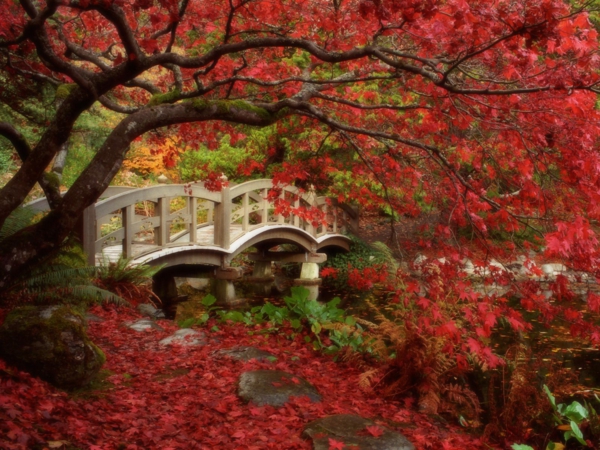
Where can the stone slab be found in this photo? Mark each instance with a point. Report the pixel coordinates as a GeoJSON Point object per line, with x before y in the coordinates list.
{"type": "Point", "coordinates": [352, 431]}
{"type": "Point", "coordinates": [143, 325]}
{"type": "Point", "coordinates": [185, 336]}
{"type": "Point", "coordinates": [274, 387]}
{"type": "Point", "coordinates": [246, 353]}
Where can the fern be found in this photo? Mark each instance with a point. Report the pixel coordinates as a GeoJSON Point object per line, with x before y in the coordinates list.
{"type": "Point", "coordinates": [61, 284]}
{"type": "Point", "coordinates": [457, 397]}
{"type": "Point", "coordinates": [384, 255]}
{"type": "Point", "coordinates": [368, 379]}
{"type": "Point", "coordinates": [122, 271]}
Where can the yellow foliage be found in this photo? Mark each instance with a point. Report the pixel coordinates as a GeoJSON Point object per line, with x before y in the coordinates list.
{"type": "Point", "coordinates": [142, 162]}
{"type": "Point", "coordinates": [146, 160]}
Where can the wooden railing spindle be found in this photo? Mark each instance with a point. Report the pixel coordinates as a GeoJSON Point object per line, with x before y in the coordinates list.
{"type": "Point", "coordinates": [193, 225]}
{"type": "Point", "coordinates": [128, 216]}
{"type": "Point", "coordinates": [246, 208]}
{"type": "Point", "coordinates": [161, 233]}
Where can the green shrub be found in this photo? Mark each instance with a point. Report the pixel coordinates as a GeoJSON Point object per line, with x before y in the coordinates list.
{"type": "Point", "coordinates": [337, 269]}
{"type": "Point", "coordinates": [197, 164]}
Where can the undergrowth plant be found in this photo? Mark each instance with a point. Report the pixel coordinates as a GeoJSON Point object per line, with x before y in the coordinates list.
{"type": "Point", "coordinates": [361, 268]}
{"type": "Point", "coordinates": [129, 281]}
{"type": "Point", "coordinates": [576, 422]}
{"type": "Point", "coordinates": [66, 277]}
{"type": "Point", "coordinates": [325, 326]}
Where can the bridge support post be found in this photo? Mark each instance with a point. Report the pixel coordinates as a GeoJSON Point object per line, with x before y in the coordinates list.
{"type": "Point", "coordinates": [223, 288]}
{"type": "Point", "coordinates": [309, 279]}
{"type": "Point", "coordinates": [261, 281]}
{"type": "Point", "coordinates": [309, 275]}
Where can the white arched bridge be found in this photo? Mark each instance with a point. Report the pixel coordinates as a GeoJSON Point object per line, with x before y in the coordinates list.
{"type": "Point", "coordinates": [176, 225]}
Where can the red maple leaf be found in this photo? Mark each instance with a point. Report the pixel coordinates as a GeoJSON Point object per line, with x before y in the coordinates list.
{"type": "Point", "coordinates": [374, 430]}
{"type": "Point", "coordinates": [335, 445]}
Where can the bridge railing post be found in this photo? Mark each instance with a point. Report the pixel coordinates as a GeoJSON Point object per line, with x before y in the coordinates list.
{"type": "Point", "coordinates": [280, 218]}
{"type": "Point", "coordinates": [312, 201]}
{"type": "Point", "coordinates": [296, 220]}
{"type": "Point", "coordinates": [223, 217]}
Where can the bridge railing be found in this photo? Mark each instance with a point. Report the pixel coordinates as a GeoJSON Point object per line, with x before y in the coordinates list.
{"type": "Point", "coordinates": [159, 216]}
{"type": "Point", "coordinates": [252, 208]}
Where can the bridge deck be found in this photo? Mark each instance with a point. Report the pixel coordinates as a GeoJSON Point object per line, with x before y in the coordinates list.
{"type": "Point", "coordinates": [204, 237]}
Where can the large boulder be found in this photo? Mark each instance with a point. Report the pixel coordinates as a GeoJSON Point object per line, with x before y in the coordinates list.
{"type": "Point", "coordinates": [50, 342]}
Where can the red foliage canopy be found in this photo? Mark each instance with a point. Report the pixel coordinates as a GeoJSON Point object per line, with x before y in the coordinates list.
{"type": "Point", "coordinates": [482, 111]}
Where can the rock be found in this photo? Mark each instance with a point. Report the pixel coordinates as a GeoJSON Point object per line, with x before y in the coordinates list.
{"type": "Point", "coordinates": [89, 317]}
{"type": "Point", "coordinates": [497, 265]}
{"type": "Point", "coordinates": [50, 342]}
{"type": "Point", "coordinates": [246, 353]}
{"type": "Point", "coordinates": [553, 269]}
{"type": "Point", "coordinates": [200, 284]}
{"type": "Point", "coordinates": [274, 387]}
{"type": "Point", "coordinates": [185, 336]}
{"type": "Point", "coordinates": [352, 431]}
{"type": "Point", "coordinates": [143, 324]}
{"type": "Point", "coordinates": [149, 310]}
{"type": "Point", "coordinates": [467, 266]}
{"type": "Point", "coordinates": [419, 260]}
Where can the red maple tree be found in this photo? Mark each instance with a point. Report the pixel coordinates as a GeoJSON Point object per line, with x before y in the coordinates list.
{"type": "Point", "coordinates": [483, 111]}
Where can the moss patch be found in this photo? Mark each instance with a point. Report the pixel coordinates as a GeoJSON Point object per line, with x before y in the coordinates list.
{"type": "Point", "coordinates": [64, 90]}
{"type": "Point", "coordinates": [51, 342]}
{"type": "Point", "coordinates": [226, 106]}
{"type": "Point", "coordinates": [98, 386]}
{"type": "Point", "coordinates": [169, 97]}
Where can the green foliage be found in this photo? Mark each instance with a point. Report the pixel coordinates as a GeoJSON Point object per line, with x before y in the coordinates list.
{"type": "Point", "coordinates": [123, 271]}
{"type": "Point", "coordinates": [6, 162]}
{"type": "Point", "coordinates": [573, 415]}
{"type": "Point", "coordinates": [90, 130]}
{"type": "Point", "coordinates": [127, 280]}
{"type": "Point", "coordinates": [56, 283]}
{"type": "Point", "coordinates": [78, 158]}
{"type": "Point", "coordinates": [300, 313]}
{"type": "Point", "coordinates": [198, 164]}
{"type": "Point", "coordinates": [208, 301]}
{"type": "Point", "coordinates": [316, 317]}
{"type": "Point", "coordinates": [312, 311]}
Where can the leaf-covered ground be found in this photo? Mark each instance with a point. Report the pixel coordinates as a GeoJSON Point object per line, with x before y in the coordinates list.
{"type": "Point", "coordinates": [178, 397]}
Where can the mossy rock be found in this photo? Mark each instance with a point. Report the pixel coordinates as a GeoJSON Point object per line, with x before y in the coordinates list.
{"type": "Point", "coordinates": [50, 342]}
